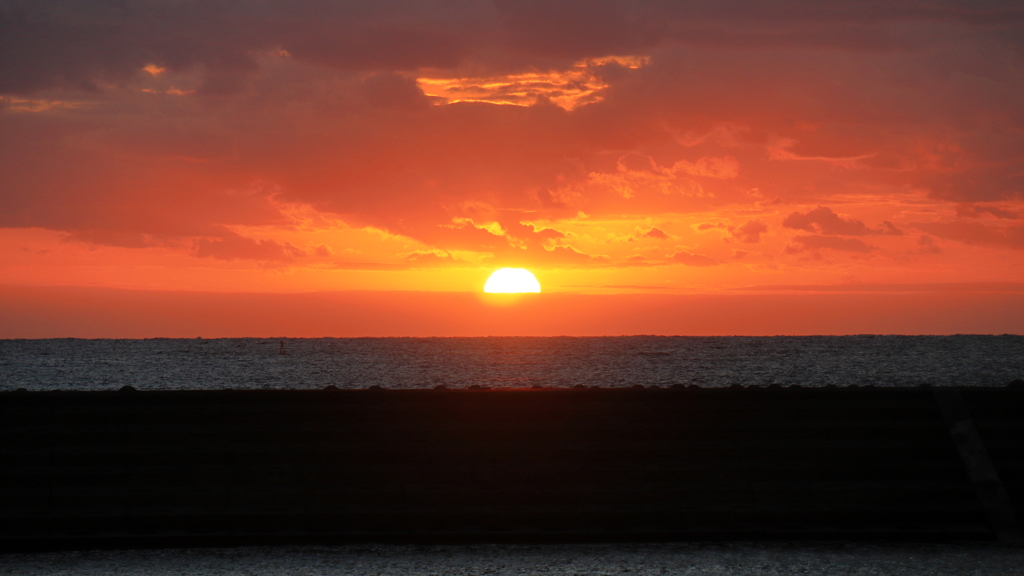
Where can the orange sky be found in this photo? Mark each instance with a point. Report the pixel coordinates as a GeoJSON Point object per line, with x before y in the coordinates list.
{"type": "Point", "coordinates": [636, 151]}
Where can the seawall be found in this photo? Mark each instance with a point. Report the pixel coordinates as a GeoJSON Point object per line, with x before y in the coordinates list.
{"type": "Point", "coordinates": [118, 469]}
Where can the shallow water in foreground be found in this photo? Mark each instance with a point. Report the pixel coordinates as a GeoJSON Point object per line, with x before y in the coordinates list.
{"type": "Point", "coordinates": [168, 364]}
{"type": "Point", "coordinates": [698, 559]}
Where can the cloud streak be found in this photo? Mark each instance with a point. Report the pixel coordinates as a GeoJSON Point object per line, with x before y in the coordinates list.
{"type": "Point", "coordinates": [558, 135]}
{"type": "Point", "coordinates": [822, 220]}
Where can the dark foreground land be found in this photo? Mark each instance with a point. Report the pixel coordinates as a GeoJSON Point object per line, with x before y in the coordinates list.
{"type": "Point", "coordinates": [130, 469]}
{"type": "Point", "coordinates": [721, 558]}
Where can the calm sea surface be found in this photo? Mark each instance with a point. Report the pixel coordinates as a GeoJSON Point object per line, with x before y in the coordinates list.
{"type": "Point", "coordinates": [166, 364]}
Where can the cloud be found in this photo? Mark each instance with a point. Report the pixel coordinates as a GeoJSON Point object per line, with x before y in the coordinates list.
{"type": "Point", "coordinates": [638, 261]}
{"type": "Point", "coordinates": [52, 43]}
{"type": "Point", "coordinates": [888, 228]}
{"type": "Point", "coordinates": [975, 211]}
{"type": "Point", "coordinates": [656, 233]}
{"type": "Point", "coordinates": [688, 259]}
{"type": "Point", "coordinates": [750, 232]}
{"type": "Point", "coordinates": [976, 234]}
{"type": "Point", "coordinates": [822, 220]}
{"type": "Point", "coordinates": [806, 243]}
{"type": "Point", "coordinates": [526, 231]}
{"type": "Point", "coordinates": [537, 256]}
{"type": "Point", "coordinates": [375, 266]}
{"type": "Point", "coordinates": [961, 287]}
{"type": "Point", "coordinates": [390, 90]}
{"type": "Point", "coordinates": [927, 245]}
{"type": "Point", "coordinates": [623, 286]}
{"type": "Point", "coordinates": [236, 247]}
{"type": "Point", "coordinates": [262, 109]}
{"type": "Point", "coordinates": [710, 167]}
{"type": "Point", "coordinates": [432, 260]}
{"type": "Point", "coordinates": [119, 238]}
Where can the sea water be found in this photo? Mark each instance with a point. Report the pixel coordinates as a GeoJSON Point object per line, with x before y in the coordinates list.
{"type": "Point", "coordinates": [296, 363]}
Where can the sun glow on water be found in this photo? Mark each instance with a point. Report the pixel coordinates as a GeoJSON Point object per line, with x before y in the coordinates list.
{"type": "Point", "coordinates": [511, 280]}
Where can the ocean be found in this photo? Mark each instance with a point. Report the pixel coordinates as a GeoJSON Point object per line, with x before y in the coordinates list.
{"type": "Point", "coordinates": [512, 362]}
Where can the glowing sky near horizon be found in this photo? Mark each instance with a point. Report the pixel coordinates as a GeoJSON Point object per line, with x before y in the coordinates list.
{"type": "Point", "coordinates": [608, 146]}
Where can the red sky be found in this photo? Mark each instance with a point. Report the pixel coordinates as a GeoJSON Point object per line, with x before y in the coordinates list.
{"type": "Point", "coordinates": [660, 166]}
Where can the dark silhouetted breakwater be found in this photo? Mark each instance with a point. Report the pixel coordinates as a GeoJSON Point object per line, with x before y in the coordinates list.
{"type": "Point", "coordinates": [225, 467]}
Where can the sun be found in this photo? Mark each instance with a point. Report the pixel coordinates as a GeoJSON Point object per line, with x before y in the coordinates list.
{"type": "Point", "coordinates": [511, 280]}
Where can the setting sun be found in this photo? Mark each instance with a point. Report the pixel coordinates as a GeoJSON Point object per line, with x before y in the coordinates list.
{"type": "Point", "coordinates": [410, 151]}
{"type": "Point", "coordinates": [511, 280]}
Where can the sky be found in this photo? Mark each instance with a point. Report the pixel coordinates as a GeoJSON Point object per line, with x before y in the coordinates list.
{"type": "Point", "coordinates": [646, 160]}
